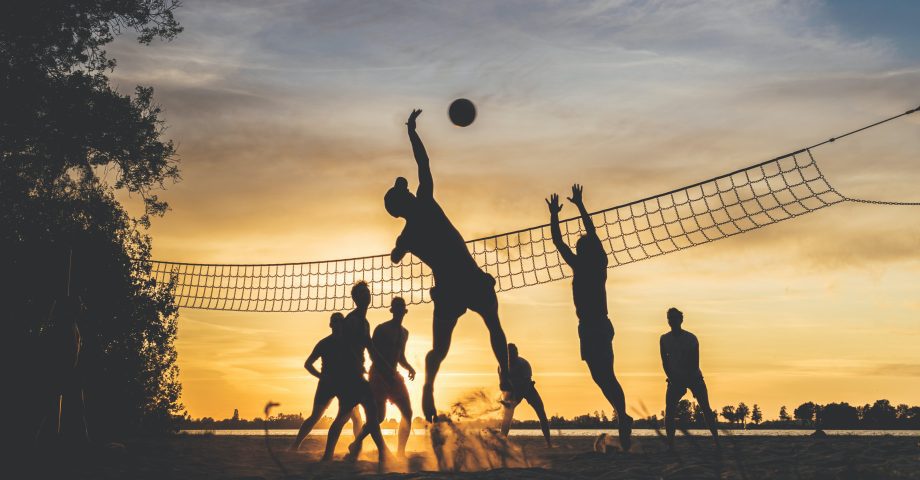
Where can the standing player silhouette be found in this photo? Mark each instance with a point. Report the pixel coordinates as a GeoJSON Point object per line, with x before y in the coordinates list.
{"type": "Point", "coordinates": [680, 357]}
{"type": "Point", "coordinates": [389, 341]}
{"type": "Point", "coordinates": [595, 332]}
{"type": "Point", "coordinates": [335, 359]}
{"type": "Point", "coordinates": [459, 282]}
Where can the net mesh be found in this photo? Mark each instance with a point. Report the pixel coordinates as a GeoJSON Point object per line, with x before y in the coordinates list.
{"type": "Point", "coordinates": [717, 208]}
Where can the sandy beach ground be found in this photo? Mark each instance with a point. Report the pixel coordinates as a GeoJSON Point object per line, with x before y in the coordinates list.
{"type": "Point", "coordinates": [232, 457]}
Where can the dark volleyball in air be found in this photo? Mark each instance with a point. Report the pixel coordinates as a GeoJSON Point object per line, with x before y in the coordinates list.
{"type": "Point", "coordinates": [462, 112]}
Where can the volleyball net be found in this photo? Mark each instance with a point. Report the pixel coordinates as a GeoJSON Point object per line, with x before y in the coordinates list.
{"type": "Point", "coordinates": [746, 199]}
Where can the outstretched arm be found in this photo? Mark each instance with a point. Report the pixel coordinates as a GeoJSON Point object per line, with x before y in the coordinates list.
{"type": "Point", "coordinates": [425, 180]}
{"type": "Point", "coordinates": [585, 217]}
{"type": "Point", "coordinates": [554, 209]}
{"type": "Point", "coordinates": [314, 355]}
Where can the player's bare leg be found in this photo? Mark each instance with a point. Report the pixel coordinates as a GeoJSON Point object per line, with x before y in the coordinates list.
{"type": "Point", "coordinates": [321, 402]}
{"type": "Point", "coordinates": [701, 394]}
{"type": "Point", "coordinates": [499, 343]}
{"type": "Point", "coordinates": [442, 330]}
{"type": "Point", "coordinates": [405, 426]}
{"type": "Point", "coordinates": [535, 401]}
{"type": "Point", "coordinates": [356, 423]}
{"type": "Point", "coordinates": [335, 430]}
{"type": "Point", "coordinates": [508, 406]}
{"type": "Point", "coordinates": [671, 398]}
{"type": "Point", "coordinates": [603, 376]}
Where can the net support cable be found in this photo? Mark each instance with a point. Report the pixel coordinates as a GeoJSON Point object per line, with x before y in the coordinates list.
{"type": "Point", "coordinates": [769, 192]}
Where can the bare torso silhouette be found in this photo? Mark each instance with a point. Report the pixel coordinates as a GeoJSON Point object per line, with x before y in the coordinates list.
{"type": "Point", "coordinates": [589, 279]}
{"type": "Point", "coordinates": [390, 342]}
{"type": "Point", "coordinates": [335, 359]}
{"type": "Point", "coordinates": [356, 332]}
{"type": "Point", "coordinates": [430, 236]}
{"type": "Point", "coordinates": [680, 350]}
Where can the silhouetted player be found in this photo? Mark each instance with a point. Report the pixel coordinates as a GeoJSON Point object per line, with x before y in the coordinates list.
{"type": "Point", "coordinates": [524, 389]}
{"type": "Point", "coordinates": [595, 332]}
{"type": "Point", "coordinates": [356, 390]}
{"type": "Point", "coordinates": [334, 357]}
{"type": "Point", "coordinates": [680, 357]}
{"type": "Point", "coordinates": [459, 282]}
{"type": "Point", "coordinates": [389, 341]}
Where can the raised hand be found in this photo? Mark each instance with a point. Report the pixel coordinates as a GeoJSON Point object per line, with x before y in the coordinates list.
{"type": "Point", "coordinates": [576, 194]}
{"type": "Point", "coordinates": [412, 116]}
{"type": "Point", "coordinates": [553, 203]}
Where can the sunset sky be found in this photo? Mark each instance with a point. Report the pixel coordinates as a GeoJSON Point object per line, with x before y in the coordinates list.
{"type": "Point", "coordinates": [289, 115]}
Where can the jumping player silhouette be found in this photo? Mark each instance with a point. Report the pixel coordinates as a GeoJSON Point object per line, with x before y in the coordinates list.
{"type": "Point", "coordinates": [680, 357]}
{"type": "Point", "coordinates": [389, 341]}
{"type": "Point", "coordinates": [595, 332]}
{"type": "Point", "coordinates": [334, 358]}
{"type": "Point", "coordinates": [524, 389]}
{"type": "Point", "coordinates": [459, 282]}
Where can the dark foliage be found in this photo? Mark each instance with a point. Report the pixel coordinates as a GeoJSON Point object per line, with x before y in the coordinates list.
{"type": "Point", "coordinates": [68, 143]}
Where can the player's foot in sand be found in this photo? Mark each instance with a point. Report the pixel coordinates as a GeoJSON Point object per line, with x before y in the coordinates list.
{"type": "Point", "coordinates": [354, 449]}
{"type": "Point", "coordinates": [626, 433]}
{"type": "Point", "coordinates": [428, 408]}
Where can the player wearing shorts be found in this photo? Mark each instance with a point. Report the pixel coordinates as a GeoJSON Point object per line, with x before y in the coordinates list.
{"type": "Point", "coordinates": [680, 357]}
{"type": "Point", "coordinates": [387, 384]}
{"type": "Point", "coordinates": [333, 356]}
{"type": "Point", "coordinates": [589, 290]}
{"type": "Point", "coordinates": [459, 282]}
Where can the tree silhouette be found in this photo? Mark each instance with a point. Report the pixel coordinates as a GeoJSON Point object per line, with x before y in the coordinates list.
{"type": "Point", "coordinates": [783, 414]}
{"type": "Point", "coordinates": [728, 413]}
{"type": "Point", "coordinates": [741, 413]}
{"type": "Point", "coordinates": [805, 413]}
{"type": "Point", "coordinates": [684, 412]}
{"type": "Point", "coordinates": [837, 415]}
{"type": "Point", "coordinates": [756, 415]}
{"type": "Point", "coordinates": [68, 143]}
{"type": "Point", "coordinates": [880, 415]}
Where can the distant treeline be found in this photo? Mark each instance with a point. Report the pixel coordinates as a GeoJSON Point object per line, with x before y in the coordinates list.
{"type": "Point", "coordinates": [881, 415]}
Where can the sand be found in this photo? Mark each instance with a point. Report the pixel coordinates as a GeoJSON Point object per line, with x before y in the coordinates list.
{"type": "Point", "coordinates": [225, 457]}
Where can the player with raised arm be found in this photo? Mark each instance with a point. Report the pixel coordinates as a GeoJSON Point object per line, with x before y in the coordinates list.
{"type": "Point", "coordinates": [459, 282]}
{"type": "Point", "coordinates": [680, 357]}
{"type": "Point", "coordinates": [589, 290]}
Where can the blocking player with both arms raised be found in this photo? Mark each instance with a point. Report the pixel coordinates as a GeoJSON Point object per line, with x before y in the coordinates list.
{"type": "Point", "coordinates": [589, 290]}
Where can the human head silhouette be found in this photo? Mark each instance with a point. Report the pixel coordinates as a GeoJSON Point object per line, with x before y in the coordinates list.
{"type": "Point", "coordinates": [361, 294]}
{"type": "Point", "coordinates": [675, 318]}
{"type": "Point", "coordinates": [512, 351]}
{"type": "Point", "coordinates": [398, 308]}
{"type": "Point", "coordinates": [588, 248]}
{"type": "Point", "coordinates": [335, 321]}
{"type": "Point", "coordinates": [398, 199]}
